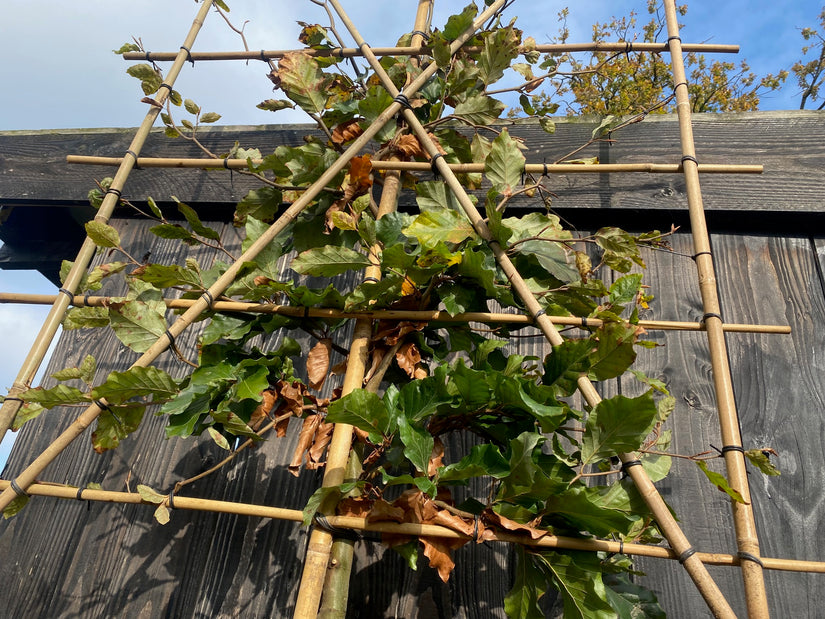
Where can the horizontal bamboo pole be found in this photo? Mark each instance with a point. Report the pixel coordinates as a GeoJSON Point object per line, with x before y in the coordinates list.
{"type": "Point", "coordinates": [61, 491]}
{"type": "Point", "coordinates": [414, 315]}
{"type": "Point", "coordinates": [348, 52]}
{"type": "Point", "coordinates": [416, 166]}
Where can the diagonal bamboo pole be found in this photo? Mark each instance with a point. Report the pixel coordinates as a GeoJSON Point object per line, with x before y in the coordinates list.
{"type": "Point", "coordinates": [348, 52]}
{"type": "Point", "coordinates": [297, 311]}
{"type": "Point", "coordinates": [62, 491]}
{"type": "Point", "coordinates": [11, 405]}
{"type": "Point", "coordinates": [744, 523]}
{"type": "Point", "coordinates": [416, 166]}
{"type": "Point", "coordinates": [671, 530]}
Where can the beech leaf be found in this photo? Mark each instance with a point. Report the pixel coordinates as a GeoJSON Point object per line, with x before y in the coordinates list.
{"type": "Point", "coordinates": [721, 483]}
{"type": "Point", "coordinates": [505, 164]}
{"type": "Point", "coordinates": [102, 234]}
{"type": "Point", "coordinates": [318, 363]}
{"type": "Point", "coordinates": [328, 261]}
{"type": "Point", "coordinates": [618, 425]}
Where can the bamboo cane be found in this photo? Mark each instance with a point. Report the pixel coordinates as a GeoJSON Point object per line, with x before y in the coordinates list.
{"type": "Point", "coordinates": [414, 315]}
{"type": "Point", "coordinates": [348, 52]}
{"type": "Point", "coordinates": [11, 405]}
{"type": "Point", "coordinates": [222, 283]}
{"type": "Point", "coordinates": [744, 524]}
{"type": "Point", "coordinates": [416, 166]}
{"type": "Point", "coordinates": [64, 492]}
{"type": "Point", "coordinates": [671, 530]}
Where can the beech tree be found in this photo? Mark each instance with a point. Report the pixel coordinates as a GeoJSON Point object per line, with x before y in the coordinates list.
{"type": "Point", "coordinates": [810, 74]}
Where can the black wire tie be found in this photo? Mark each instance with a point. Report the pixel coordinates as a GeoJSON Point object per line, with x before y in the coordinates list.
{"type": "Point", "coordinates": [687, 554]}
{"type": "Point", "coordinates": [114, 191]}
{"type": "Point", "coordinates": [680, 84]}
{"type": "Point", "coordinates": [621, 546]}
{"type": "Point", "coordinates": [79, 495]}
{"type": "Point", "coordinates": [172, 500]}
{"type": "Point", "coordinates": [433, 166]}
{"type": "Point", "coordinates": [746, 556]}
{"type": "Point", "coordinates": [584, 321]}
{"type": "Point", "coordinates": [166, 86]}
{"type": "Point", "coordinates": [710, 315]}
{"type": "Point", "coordinates": [701, 253]}
{"type": "Point", "coordinates": [728, 448]}
{"type": "Point", "coordinates": [629, 464]}
{"type": "Point", "coordinates": [424, 35]}
{"type": "Point", "coordinates": [475, 529]}
{"type": "Point", "coordinates": [370, 278]}
{"type": "Point", "coordinates": [306, 311]}
{"type": "Point", "coordinates": [674, 38]}
{"type": "Point", "coordinates": [86, 299]}
{"type": "Point", "coordinates": [539, 313]}
{"type": "Point", "coordinates": [67, 293]}
{"type": "Point", "coordinates": [10, 398]}
{"type": "Point", "coordinates": [188, 54]}
{"type": "Point", "coordinates": [690, 158]}
{"type": "Point", "coordinates": [403, 100]}
{"type": "Point", "coordinates": [544, 172]}
{"type": "Point", "coordinates": [171, 338]}
{"type": "Point", "coordinates": [17, 489]}
{"type": "Point", "coordinates": [102, 406]}
{"type": "Point", "coordinates": [209, 298]}
{"type": "Point", "coordinates": [322, 522]}
{"type": "Point", "coordinates": [135, 157]}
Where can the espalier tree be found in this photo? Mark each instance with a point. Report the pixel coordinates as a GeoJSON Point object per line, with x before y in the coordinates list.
{"type": "Point", "coordinates": [540, 464]}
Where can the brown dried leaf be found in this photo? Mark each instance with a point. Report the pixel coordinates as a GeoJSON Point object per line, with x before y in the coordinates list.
{"type": "Point", "coordinates": [410, 146]}
{"type": "Point", "coordinates": [355, 507]}
{"type": "Point", "coordinates": [382, 511]}
{"type": "Point", "coordinates": [407, 357]}
{"type": "Point", "coordinates": [358, 181]}
{"type": "Point", "coordinates": [439, 551]}
{"type": "Point", "coordinates": [305, 440]}
{"type": "Point", "coordinates": [346, 132]}
{"type": "Point", "coordinates": [319, 446]}
{"type": "Point", "coordinates": [292, 395]}
{"type": "Point", "coordinates": [377, 355]}
{"type": "Point", "coordinates": [436, 457]}
{"type": "Point", "coordinates": [505, 523]}
{"type": "Point", "coordinates": [454, 522]}
{"type": "Point", "coordinates": [261, 413]}
{"type": "Point", "coordinates": [420, 372]}
{"type": "Point", "coordinates": [262, 280]}
{"type": "Point", "coordinates": [318, 363]}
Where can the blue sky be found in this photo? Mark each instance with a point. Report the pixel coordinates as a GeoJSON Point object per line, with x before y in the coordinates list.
{"type": "Point", "coordinates": [58, 70]}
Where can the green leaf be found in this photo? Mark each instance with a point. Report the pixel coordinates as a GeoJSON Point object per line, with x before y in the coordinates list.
{"type": "Point", "coordinates": [409, 552]}
{"type": "Point", "coordinates": [499, 49]}
{"type": "Point", "coordinates": [67, 374]}
{"type": "Point", "coordinates": [274, 105]}
{"type": "Point", "coordinates": [219, 438]}
{"type": "Point", "coordinates": [140, 320]}
{"type": "Point", "coordinates": [162, 514]}
{"type": "Point", "coordinates": [617, 425]}
{"type": "Point", "coordinates": [191, 107]}
{"type": "Point", "coordinates": [614, 353]}
{"type": "Point", "coordinates": [99, 273]}
{"type": "Point", "coordinates": [721, 483]}
{"type": "Point", "coordinates": [457, 24]}
{"type": "Point", "coordinates": [418, 444]}
{"type": "Point", "coordinates": [88, 367]}
{"type": "Point", "coordinates": [115, 425]}
{"type": "Point", "coordinates": [761, 460]}
{"type": "Point", "coordinates": [225, 326]}
{"type": "Point", "coordinates": [629, 600]}
{"type": "Point", "coordinates": [222, 5]}
{"type": "Point", "coordinates": [173, 231]}
{"type": "Point", "coordinates": [362, 409]}
{"type": "Point", "coordinates": [194, 221]}
{"type": "Point", "coordinates": [578, 577]}
{"type": "Point", "coordinates": [625, 289]}
{"type": "Point", "coordinates": [86, 318]}
{"type": "Point", "coordinates": [482, 460]}
{"type": "Point", "coordinates": [581, 508]}
{"type": "Point", "coordinates": [56, 396]}
{"type": "Point", "coordinates": [547, 125]}
{"type": "Point", "coordinates": [25, 413]}
{"type": "Point", "coordinates": [166, 276]}
{"type": "Point", "coordinates": [328, 261]}
{"type": "Point", "coordinates": [606, 126]}
{"type": "Point", "coordinates": [261, 203]}
{"type": "Point", "coordinates": [210, 117]}
{"type": "Point", "coordinates": [15, 506]}
{"type": "Point", "coordinates": [505, 164]}
{"type": "Point", "coordinates": [149, 495]}
{"type": "Point", "coordinates": [371, 106]}
{"type": "Point", "coordinates": [103, 235]}
{"type": "Point", "coordinates": [565, 364]}
{"type": "Point", "coordinates": [440, 225]}
{"type": "Point", "coordinates": [137, 382]}
{"type": "Point", "coordinates": [522, 601]}
{"type": "Point", "coordinates": [479, 109]}
{"type": "Point", "coordinates": [126, 47]}
{"type": "Point", "coordinates": [303, 81]}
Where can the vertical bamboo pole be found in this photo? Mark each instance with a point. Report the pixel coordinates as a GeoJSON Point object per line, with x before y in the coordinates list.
{"type": "Point", "coordinates": [667, 523]}
{"type": "Point", "coordinates": [222, 283]}
{"type": "Point", "coordinates": [744, 524]}
{"type": "Point", "coordinates": [11, 405]}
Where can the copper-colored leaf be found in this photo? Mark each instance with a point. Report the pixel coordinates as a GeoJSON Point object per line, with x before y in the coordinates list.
{"type": "Point", "coordinates": [511, 525]}
{"type": "Point", "coordinates": [292, 395]}
{"type": "Point", "coordinates": [436, 457]}
{"type": "Point", "coordinates": [262, 280]}
{"type": "Point", "coordinates": [263, 409]}
{"type": "Point", "coordinates": [355, 507]}
{"type": "Point", "coordinates": [377, 355]}
{"type": "Point", "coordinates": [154, 103]}
{"type": "Point", "coordinates": [420, 372]}
{"type": "Point", "coordinates": [305, 440]}
{"type": "Point", "coordinates": [383, 511]}
{"type": "Point", "coordinates": [319, 446]}
{"type": "Point", "coordinates": [358, 180]}
{"type": "Point", "coordinates": [318, 363]}
{"type": "Point", "coordinates": [407, 356]}
{"type": "Point", "coordinates": [346, 132]}
{"type": "Point", "coordinates": [410, 146]}
{"type": "Point", "coordinates": [454, 522]}
{"type": "Point", "coordinates": [439, 552]}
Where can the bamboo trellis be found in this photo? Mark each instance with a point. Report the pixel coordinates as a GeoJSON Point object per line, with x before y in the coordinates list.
{"type": "Point", "coordinates": [748, 557]}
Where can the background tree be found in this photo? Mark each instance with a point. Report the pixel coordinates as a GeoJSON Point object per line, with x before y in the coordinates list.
{"type": "Point", "coordinates": [630, 82]}
{"type": "Point", "coordinates": [810, 74]}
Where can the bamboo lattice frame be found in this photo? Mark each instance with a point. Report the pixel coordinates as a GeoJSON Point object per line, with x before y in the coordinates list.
{"type": "Point", "coordinates": [321, 541]}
